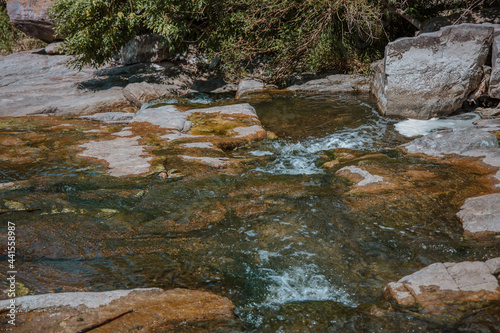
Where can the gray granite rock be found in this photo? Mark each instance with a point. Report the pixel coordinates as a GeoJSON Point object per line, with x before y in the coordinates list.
{"type": "Point", "coordinates": [248, 87]}
{"type": "Point", "coordinates": [432, 74]}
{"type": "Point", "coordinates": [481, 215]}
{"type": "Point", "coordinates": [31, 17]}
{"type": "Point", "coordinates": [144, 48]}
{"type": "Point", "coordinates": [494, 87]}
{"type": "Point", "coordinates": [440, 285]}
{"type": "Point", "coordinates": [339, 83]}
{"type": "Point", "coordinates": [34, 83]}
{"type": "Point", "coordinates": [141, 92]}
{"type": "Point", "coordinates": [457, 141]}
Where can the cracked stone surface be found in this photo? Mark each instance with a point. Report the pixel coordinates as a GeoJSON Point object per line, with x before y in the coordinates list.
{"type": "Point", "coordinates": [441, 284]}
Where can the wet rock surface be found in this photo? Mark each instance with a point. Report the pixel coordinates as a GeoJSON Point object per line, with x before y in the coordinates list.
{"type": "Point", "coordinates": [439, 287]}
{"type": "Point", "coordinates": [432, 74]}
{"type": "Point", "coordinates": [136, 310]}
{"type": "Point", "coordinates": [461, 141]}
{"type": "Point", "coordinates": [201, 134]}
{"type": "Point", "coordinates": [481, 215]}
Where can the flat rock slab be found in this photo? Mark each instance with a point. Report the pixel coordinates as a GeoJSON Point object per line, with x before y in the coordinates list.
{"type": "Point", "coordinates": [35, 83]}
{"type": "Point", "coordinates": [340, 83]}
{"type": "Point", "coordinates": [152, 310]}
{"type": "Point", "coordinates": [199, 130]}
{"type": "Point", "coordinates": [440, 285]}
{"type": "Point", "coordinates": [123, 155]}
{"type": "Point", "coordinates": [458, 141]}
{"type": "Point", "coordinates": [481, 215]}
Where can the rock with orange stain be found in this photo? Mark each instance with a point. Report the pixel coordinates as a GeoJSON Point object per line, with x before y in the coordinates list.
{"type": "Point", "coordinates": [439, 286]}
{"type": "Point", "coordinates": [151, 310]}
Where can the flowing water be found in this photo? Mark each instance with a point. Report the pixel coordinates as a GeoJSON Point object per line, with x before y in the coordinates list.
{"type": "Point", "coordinates": [285, 240]}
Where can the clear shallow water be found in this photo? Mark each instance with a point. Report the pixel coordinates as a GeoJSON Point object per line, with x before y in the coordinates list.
{"type": "Point", "coordinates": [294, 251]}
{"type": "Point", "coordinates": [324, 122]}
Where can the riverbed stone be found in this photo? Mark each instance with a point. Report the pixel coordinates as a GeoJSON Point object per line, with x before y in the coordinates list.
{"type": "Point", "coordinates": [141, 310]}
{"type": "Point", "coordinates": [456, 141]}
{"type": "Point", "coordinates": [339, 83]}
{"type": "Point", "coordinates": [432, 74]}
{"type": "Point", "coordinates": [441, 285]}
{"type": "Point", "coordinates": [123, 155]}
{"type": "Point", "coordinates": [481, 215]}
{"type": "Point", "coordinates": [141, 92]}
{"type": "Point", "coordinates": [31, 17]}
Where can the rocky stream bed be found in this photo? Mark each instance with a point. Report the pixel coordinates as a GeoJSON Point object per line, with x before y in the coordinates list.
{"type": "Point", "coordinates": [149, 198]}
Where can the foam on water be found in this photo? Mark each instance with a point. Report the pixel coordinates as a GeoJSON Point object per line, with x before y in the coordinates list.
{"type": "Point", "coordinates": [299, 284]}
{"type": "Point", "coordinates": [416, 127]}
{"type": "Point", "coordinates": [296, 158]}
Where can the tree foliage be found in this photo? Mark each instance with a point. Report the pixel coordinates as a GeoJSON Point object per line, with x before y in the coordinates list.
{"type": "Point", "coordinates": [284, 35]}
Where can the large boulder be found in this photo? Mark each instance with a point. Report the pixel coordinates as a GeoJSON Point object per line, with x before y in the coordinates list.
{"type": "Point", "coordinates": [339, 83]}
{"type": "Point", "coordinates": [30, 16]}
{"type": "Point", "coordinates": [439, 286]}
{"type": "Point", "coordinates": [144, 48]}
{"type": "Point", "coordinates": [432, 74]}
{"type": "Point", "coordinates": [494, 90]}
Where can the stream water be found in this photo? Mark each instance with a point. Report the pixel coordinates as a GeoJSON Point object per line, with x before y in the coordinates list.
{"type": "Point", "coordinates": [285, 240]}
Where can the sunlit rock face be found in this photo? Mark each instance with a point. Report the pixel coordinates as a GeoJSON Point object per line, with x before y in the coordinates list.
{"type": "Point", "coordinates": [441, 285]}
{"type": "Point", "coordinates": [150, 309]}
{"type": "Point", "coordinates": [432, 74]}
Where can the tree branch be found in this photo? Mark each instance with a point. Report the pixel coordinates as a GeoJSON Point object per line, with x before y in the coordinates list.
{"type": "Point", "coordinates": [419, 25]}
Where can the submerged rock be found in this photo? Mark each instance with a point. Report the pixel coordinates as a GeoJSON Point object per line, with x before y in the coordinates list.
{"type": "Point", "coordinates": [138, 310]}
{"type": "Point", "coordinates": [123, 155]}
{"type": "Point", "coordinates": [359, 176]}
{"type": "Point", "coordinates": [481, 215]}
{"type": "Point", "coordinates": [339, 83]}
{"type": "Point", "coordinates": [439, 286]}
{"type": "Point", "coordinates": [432, 74]}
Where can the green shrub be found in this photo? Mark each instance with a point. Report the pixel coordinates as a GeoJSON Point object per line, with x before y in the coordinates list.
{"type": "Point", "coordinates": [269, 38]}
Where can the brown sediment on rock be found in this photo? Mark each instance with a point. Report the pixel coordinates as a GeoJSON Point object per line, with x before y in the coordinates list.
{"type": "Point", "coordinates": [144, 310]}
